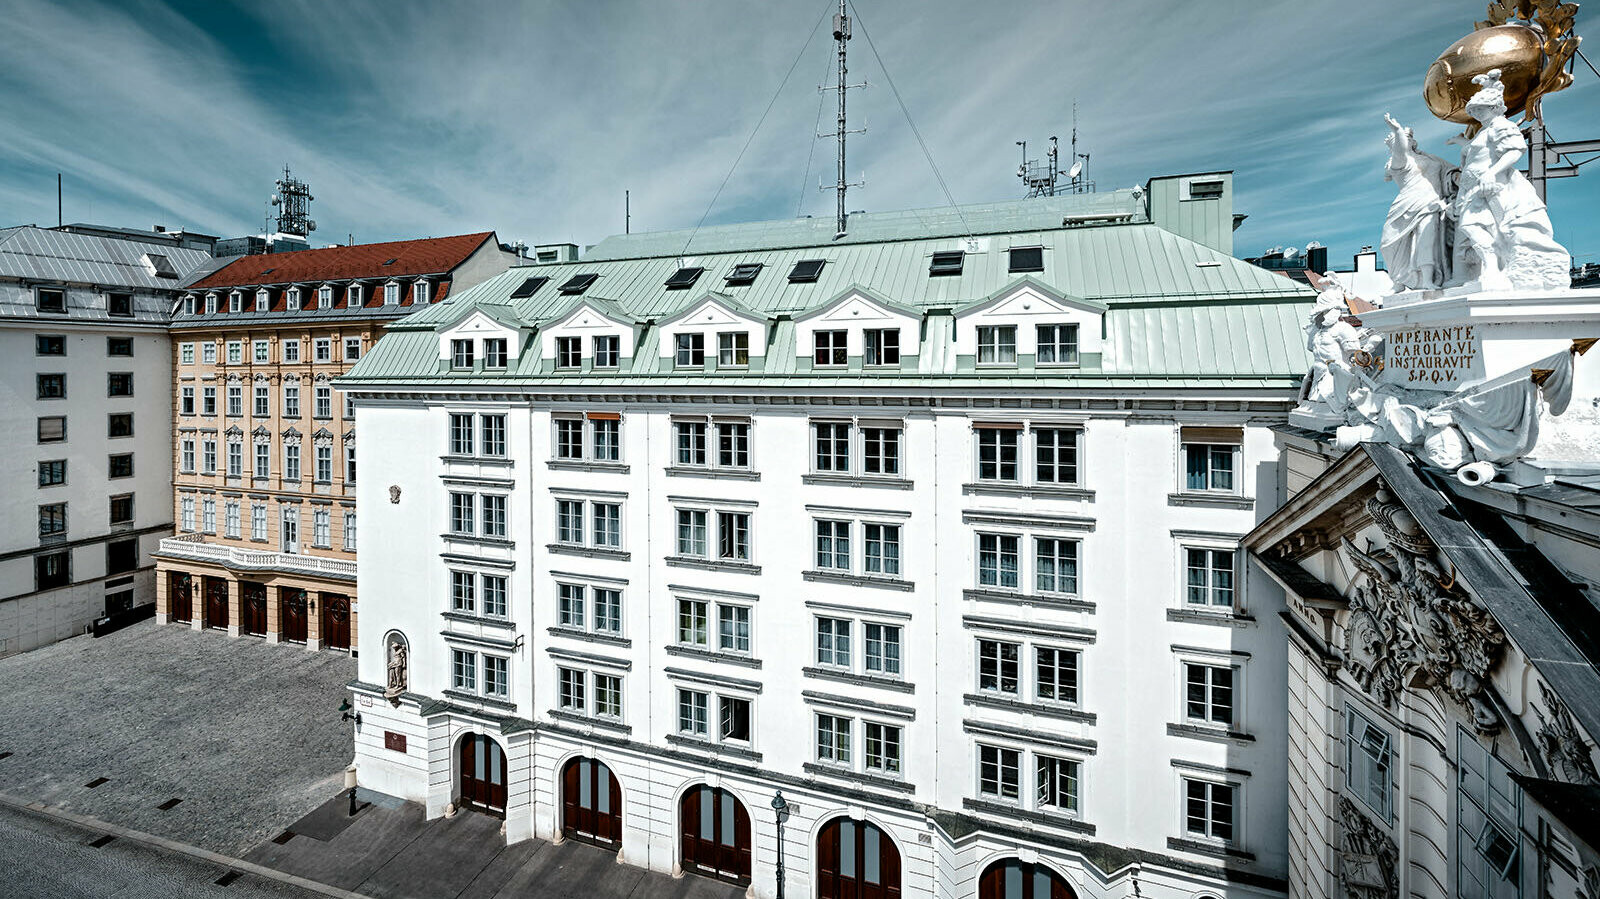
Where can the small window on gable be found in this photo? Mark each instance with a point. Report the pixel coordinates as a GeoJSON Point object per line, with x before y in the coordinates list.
{"type": "Point", "coordinates": [325, 297]}
{"type": "Point", "coordinates": [1027, 259]}
{"type": "Point", "coordinates": [292, 299]}
{"type": "Point", "coordinates": [1205, 190]}
{"type": "Point", "coordinates": [744, 273]}
{"type": "Point", "coordinates": [235, 301]}
{"type": "Point", "coordinates": [578, 284]}
{"type": "Point", "coordinates": [946, 263]}
{"type": "Point", "coordinates": [353, 298]}
{"type": "Point", "coordinates": [684, 277]}
{"type": "Point", "coordinates": [263, 300]}
{"type": "Point", "coordinates": [49, 300]}
{"type": "Point", "coordinates": [419, 295]}
{"type": "Point", "coordinates": [806, 271]}
{"type": "Point", "coordinates": [528, 287]}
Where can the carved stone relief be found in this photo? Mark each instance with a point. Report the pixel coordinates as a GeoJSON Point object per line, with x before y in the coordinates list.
{"type": "Point", "coordinates": [1367, 856]}
{"type": "Point", "coordinates": [399, 671]}
{"type": "Point", "coordinates": [1564, 748]}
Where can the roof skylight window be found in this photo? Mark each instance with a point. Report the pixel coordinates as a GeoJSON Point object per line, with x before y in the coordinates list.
{"type": "Point", "coordinates": [806, 271]}
{"type": "Point", "coordinates": [578, 284]}
{"type": "Point", "coordinates": [744, 273]}
{"type": "Point", "coordinates": [389, 261]}
{"type": "Point", "coordinates": [529, 287]}
{"type": "Point", "coordinates": [946, 263]}
{"type": "Point", "coordinates": [684, 277]}
{"type": "Point", "coordinates": [161, 266]}
{"type": "Point", "coordinates": [1027, 259]}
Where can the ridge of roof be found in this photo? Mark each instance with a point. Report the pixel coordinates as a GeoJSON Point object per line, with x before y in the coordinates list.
{"type": "Point", "coordinates": [411, 258]}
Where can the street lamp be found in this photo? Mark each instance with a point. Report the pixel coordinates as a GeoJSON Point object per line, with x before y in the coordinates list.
{"type": "Point", "coordinates": [781, 808]}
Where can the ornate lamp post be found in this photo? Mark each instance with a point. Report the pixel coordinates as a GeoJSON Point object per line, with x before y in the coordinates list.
{"type": "Point", "coordinates": [781, 808]}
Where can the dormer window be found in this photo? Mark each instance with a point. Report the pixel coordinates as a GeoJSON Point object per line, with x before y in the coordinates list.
{"type": "Point", "coordinates": [353, 296]}
{"type": "Point", "coordinates": [743, 273]}
{"type": "Point", "coordinates": [830, 347]}
{"type": "Point", "coordinates": [691, 350]}
{"type": "Point", "coordinates": [188, 304]}
{"type": "Point", "coordinates": [607, 351]}
{"type": "Point", "coordinates": [946, 263]}
{"type": "Point", "coordinates": [806, 270]}
{"type": "Point", "coordinates": [1026, 259]}
{"type": "Point", "coordinates": [1058, 345]}
{"type": "Point", "coordinates": [235, 301]}
{"type": "Point", "coordinates": [325, 297]}
{"type": "Point", "coordinates": [461, 354]}
{"type": "Point", "coordinates": [578, 284]}
{"type": "Point", "coordinates": [684, 278]}
{"type": "Point", "coordinates": [391, 293]}
{"type": "Point", "coordinates": [528, 287]}
{"type": "Point", "coordinates": [420, 295]}
{"type": "Point", "coordinates": [211, 303]}
{"type": "Point", "coordinates": [292, 299]}
{"type": "Point", "coordinates": [997, 345]}
{"type": "Point", "coordinates": [494, 352]}
{"type": "Point", "coordinates": [733, 349]}
{"type": "Point", "coordinates": [263, 299]}
{"type": "Point", "coordinates": [569, 352]}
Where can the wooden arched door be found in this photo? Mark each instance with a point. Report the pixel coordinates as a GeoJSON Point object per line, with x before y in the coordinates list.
{"type": "Point", "coordinates": [856, 860]}
{"type": "Point", "coordinates": [1013, 879]}
{"type": "Point", "coordinates": [483, 774]}
{"type": "Point", "coordinates": [180, 596]}
{"type": "Point", "coordinates": [335, 621]}
{"type": "Point", "coordinates": [591, 803]}
{"type": "Point", "coordinates": [292, 614]}
{"type": "Point", "coordinates": [714, 833]}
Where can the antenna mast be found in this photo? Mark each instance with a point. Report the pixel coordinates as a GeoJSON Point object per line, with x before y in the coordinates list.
{"type": "Point", "coordinates": [293, 200]}
{"type": "Point", "coordinates": [841, 35]}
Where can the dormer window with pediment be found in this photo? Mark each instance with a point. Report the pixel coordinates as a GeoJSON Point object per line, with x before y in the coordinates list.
{"type": "Point", "coordinates": [419, 295]}
{"type": "Point", "coordinates": [391, 293]}
{"type": "Point", "coordinates": [589, 333]}
{"type": "Point", "coordinates": [352, 298]}
{"type": "Point", "coordinates": [857, 328]}
{"type": "Point", "coordinates": [479, 339]}
{"type": "Point", "coordinates": [715, 323]}
{"type": "Point", "coordinates": [263, 299]}
{"type": "Point", "coordinates": [235, 301]}
{"type": "Point", "coordinates": [211, 303]}
{"type": "Point", "coordinates": [1028, 324]}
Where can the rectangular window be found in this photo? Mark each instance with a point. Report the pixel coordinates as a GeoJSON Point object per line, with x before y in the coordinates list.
{"type": "Point", "coordinates": [119, 346]}
{"type": "Point", "coordinates": [50, 386]}
{"type": "Point", "coordinates": [733, 536]}
{"type": "Point", "coordinates": [832, 446]}
{"type": "Point", "coordinates": [494, 592]}
{"type": "Point", "coordinates": [324, 463]}
{"type": "Point", "coordinates": [569, 438]}
{"type": "Point", "coordinates": [322, 402]}
{"type": "Point", "coordinates": [460, 354]}
{"type": "Point", "coordinates": [570, 683]}
{"type": "Point", "coordinates": [733, 719]}
{"type": "Point", "coordinates": [291, 401]}
{"type": "Point", "coordinates": [882, 346]}
{"type": "Point", "coordinates": [882, 748]}
{"type": "Point", "coordinates": [186, 455]}
{"type": "Point", "coordinates": [291, 350]}
{"type": "Point", "coordinates": [606, 519]}
{"type": "Point", "coordinates": [119, 465]}
{"type": "Point", "coordinates": [494, 516]}
{"type": "Point", "coordinates": [464, 670]}
{"type": "Point", "coordinates": [997, 345]}
{"type": "Point", "coordinates": [690, 350]}
{"type": "Point", "coordinates": [186, 401]}
{"type": "Point", "coordinates": [325, 297]}
{"type": "Point", "coordinates": [235, 459]}
{"type": "Point", "coordinates": [830, 347]}
{"type": "Point", "coordinates": [733, 444]}
{"type": "Point", "coordinates": [607, 610]}
{"type": "Point", "coordinates": [997, 453]}
{"type": "Point", "coordinates": [569, 352]}
{"type": "Point", "coordinates": [462, 513]}
{"type": "Point", "coordinates": [263, 459]}
{"type": "Point", "coordinates": [494, 435]}
{"type": "Point", "coordinates": [52, 473]}
{"type": "Point", "coordinates": [208, 353]}
{"type": "Point", "coordinates": [692, 533]}
{"type": "Point", "coordinates": [880, 450]}
{"type": "Point", "coordinates": [569, 521]}
{"type": "Point", "coordinates": [321, 528]}
{"type": "Point", "coordinates": [733, 628]}
{"type": "Point", "coordinates": [691, 441]}
{"type": "Point", "coordinates": [1209, 577]}
{"type": "Point", "coordinates": [259, 352]}
{"type": "Point", "coordinates": [208, 456]}
{"type": "Point", "coordinates": [607, 351]}
{"type": "Point", "coordinates": [350, 533]}
{"type": "Point", "coordinates": [230, 520]}
{"type": "Point", "coordinates": [1058, 345]}
{"type": "Point", "coordinates": [1367, 760]}
{"type": "Point", "coordinates": [349, 407]}
{"type": "Point", "coordinates": [119, 383]}
{"type": "Point", "coordinates": [1058, 784]}
{"type": "Point", "coordinates": [833, 545]}
{"type": "Point", "coordinates": [607, 437]}
{"type": "Point", "coordinates": [235, 400]}
{"type": "Point", "coordinates": [263, 299]}
{"type": "Point", "coordinates": [391, 294]}
{"type": "Point", "coordinates": [235, 352]}
{"type": "Point", "coordinates": [1055, 455]}
{"type": "Point", "coordinates": [185, 354]}
{"type": "Point", "coordinates": [208, 401]}
{"type": "Point", "coordinates": [496, 676]}
{"type": "Point", "coordinates": [1208, 809]}
{"type": "Point", "coordinates": [52, 428]}
{"type": "Point", "coordinates": [833, 642]}
{"type": "Point", "coordinates": [882, 650]}
{"type": "Point", "coordinates": [1209, 466]}
{"type": "Point", "coordinates": [208, 516]}
{"type": "Point", "coordinates": [352, 351]}
{"type": "Point", "coordinates": [258, 521]}
{"type": "Point", "coordinates": [122, 509]}
{"type": "Point", "coordinates": [733, 349]}
{"type": "Point", "coordinates": [461, 434]}
{"type": "Point", "coordinates": [52, 570]}
{"type": "Point", "coordinates": [1055, 565]}
{"type": "Point", "coordinates": [291, 463]}
{"type": "Point", "coordinates": [833, 739]}
{"type": "Point", "coordinates": [693, 622]}
{"type": "Point", "coordinates": [119, 304]}
{"type": "Point", "coordinates": [692, 713]}
{"type": "Point", "coordinates": [608, 695]}
{"type": "Point", "coordinates": [998, 560]}
{"type": "Point", "coordinates": [494, 352]}
{"type": "Point", "coordinates": [1208, 694]}
{"type": "Point", "coordinates": [999, 771]}
{"type": "Point", "coordinates": [1026, 259]}
{"type": "Point", "coordinates": [882, 549]}
{"type": "Point", "coordinates": [56, 345]}
{"type": "Point", "coordinates": [998, 664]}
{"type": "Point", "coordinates": [463, 595]}
{"type": "Point", "coordinates": [1488, 818]}
{"type": "Point", "coordinates": [186, 515]}
{"type": "Point", "coordinates": [1056, 675]}
{"type": "Point", "coordinates": [52, 519]}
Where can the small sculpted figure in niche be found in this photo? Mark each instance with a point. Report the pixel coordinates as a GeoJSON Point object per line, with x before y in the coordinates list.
{"type": "Point", "coordinates": [1416, 234]}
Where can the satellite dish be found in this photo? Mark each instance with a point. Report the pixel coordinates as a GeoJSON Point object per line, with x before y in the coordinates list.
{"type": "Point", "coordinates": [1077, 168]}
{"type": "Point", "coordinates": [311, 225]}
{"type": "Point", "coordinates": [1291, 251]}
{"type": "Point", "coordinates": [274, 199]}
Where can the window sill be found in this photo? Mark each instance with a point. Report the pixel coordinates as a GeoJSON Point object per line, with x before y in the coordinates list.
{"type": "Point", "coordinates": [585, 465]}
{"type": "Point", "coordinates": [1211, 500]}
{"type": "Point", "coordinates": [1206, 616]}
{"type": "Point", "coordinates": [480, 541]}
{"type": "Point", "coordinates": [589, 636]}
{"type": "Point", "coordinates": [468, 618]}
{"type": "Point", "coordinates": [1063, 712]}
{"type": "Point", "coordinates": [1062, 820]}
{"type": "Point", "coordinates": [725, 474]}
{"type": "Point", "coordinates": [500, 461]}
{"type": "Point", "coordinates": [1215, 734]}
{"type": "Point", "coordinates": [860, 680]}
{"type": "Point", "coordinates": [1216, 850]}
{"type": "Point", "coordinates": [711, 655]}
{"type": "Point", "coordinates": [858, 580]}
{"type": "Point", "coordinates": [704, 744]}
{"type": "Point", "coordinates": [587, 552]}
{"type": "Point", "coordinates": [1033, 491]}
{"type": "Point", "coordinates": [1042, 600]}
{"type": "Point", "coordinates": [610, 724]}
{"type": "Point", "coordinates": [712, 565]}
{"type": "Point", "coordinates": [474, 698]}
{"type": "Point", "coordinates": [871, 780]}
{"type": "Point", "coordinates": [855, 480]}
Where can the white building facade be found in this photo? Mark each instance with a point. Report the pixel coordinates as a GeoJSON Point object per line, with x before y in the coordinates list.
{"type": "Point", "coordinates": [937, 536]}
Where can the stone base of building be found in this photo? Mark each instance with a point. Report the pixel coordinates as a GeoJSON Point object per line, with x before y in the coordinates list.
{"type": "Point", "coordinates": [279, 607]}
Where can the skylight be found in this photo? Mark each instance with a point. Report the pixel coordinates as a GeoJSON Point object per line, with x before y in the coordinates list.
{"type": "Point", "coordinates": [744, 273]}
{"type": "Point", "coordinates": [684, 277]}
{"type": "Point", "coordinates": [946, 263]}
{"type": "Point", "coordinates": [389, 262]}
{"type": "Point", "coordinates": [1027, 259]}
{"type": "Point", "coordinates": [529, 287]}
{"type": "Point", "coordinates": [578, 284]}
{"type": "Point", "coordinates": [806, 270]}
{"type": "Point", "coordinates": [161, 266]}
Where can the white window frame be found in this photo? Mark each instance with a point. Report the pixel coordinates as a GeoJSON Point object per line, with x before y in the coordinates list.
{"type": "Point", "coordinates": [290, 350]}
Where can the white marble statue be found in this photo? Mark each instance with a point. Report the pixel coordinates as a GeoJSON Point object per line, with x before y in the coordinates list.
{"type": "Point", "coordinates": [1503, 238]}
{"type": "Point", "coordinates": [1416, 234]}
{"type": "Point", "coordinates": [399, 674]}
{"type": "Point", "coordinates": [1333, 341]}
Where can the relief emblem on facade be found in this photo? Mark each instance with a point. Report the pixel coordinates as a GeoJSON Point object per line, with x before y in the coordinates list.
{"type": "Point", "coordinates": [1411, 626]}
{"type": "Point", "coordinates": [1367, 856]}
{"type": "Point", "coordinates": [1563, 747]}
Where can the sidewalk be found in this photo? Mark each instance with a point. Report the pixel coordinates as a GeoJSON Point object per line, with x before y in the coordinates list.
{"type": "Point", "coordinates": [388, 850]}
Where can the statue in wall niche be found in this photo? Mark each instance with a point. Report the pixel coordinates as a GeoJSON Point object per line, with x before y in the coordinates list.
{"type": "Point", "coordinates": [1410, 625]}
{"type": "Point", "coordinates": [398, 672]}
{"type": "Point", "coordinates": [1416, 234]}
{"type": "Point", "coordinates": [1564, 748]}
{"type": "Point", "coordinates": [1367, 856]}
{"type": "Point", "coordinates": [1503, 237]}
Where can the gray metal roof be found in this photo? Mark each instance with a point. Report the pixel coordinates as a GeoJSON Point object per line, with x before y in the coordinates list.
{"type": "Point", "coordinates": [42, 254]}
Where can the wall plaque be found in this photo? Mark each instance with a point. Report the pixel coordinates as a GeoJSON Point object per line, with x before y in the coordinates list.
{"type": "Point", "coordinates": [1440, 358]}
{"type": "Point", "coordinates": [393, 741]}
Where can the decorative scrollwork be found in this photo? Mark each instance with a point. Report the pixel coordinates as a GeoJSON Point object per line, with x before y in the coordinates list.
{"type": "Point", "coordinates": [1553, 21]}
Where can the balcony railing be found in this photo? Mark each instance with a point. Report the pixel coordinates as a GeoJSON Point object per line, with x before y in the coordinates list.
{"type": "Point", "coordinates": [193, 546]}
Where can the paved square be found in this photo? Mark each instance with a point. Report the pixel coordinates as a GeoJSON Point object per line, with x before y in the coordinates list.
{"type": "Point", "coordinates": [246, 734]}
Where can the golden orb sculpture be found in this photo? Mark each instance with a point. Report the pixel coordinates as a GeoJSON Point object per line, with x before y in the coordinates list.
{"type": "Point", "coordinates": [1516, 50]}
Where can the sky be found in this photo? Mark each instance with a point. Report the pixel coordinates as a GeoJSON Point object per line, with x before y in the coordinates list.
{"type": "Point", "coordinates": [412, 119]}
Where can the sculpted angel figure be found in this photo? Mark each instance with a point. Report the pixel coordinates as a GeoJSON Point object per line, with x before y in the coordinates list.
{"type": "Point", "coordinates": [1416, 240]}
{"type": "Point", "coordinates": [1503, 237]}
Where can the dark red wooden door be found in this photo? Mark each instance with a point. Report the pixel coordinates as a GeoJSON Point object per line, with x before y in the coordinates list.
{"type": "Point", "coordinates": [335, 621]}
{"type": "Point", "coordinates": [856, 860]}
{"type": "Point", "coordinates": [714, 833]}
{"type": "Point", "coordinates": [483, 774]}
{"type": "Point", "coordinates": [180, 596]}
{"type": "Point", "coordinates": [591, 803]}
{"type": "Point", "coordinates": [292, 614]}
{"type": "Point", "coordinates": [1013, 879]}
{"type": "Point", "coordinates": [216, 602]}
{"type": "Point", "coordinates": [253, 608]}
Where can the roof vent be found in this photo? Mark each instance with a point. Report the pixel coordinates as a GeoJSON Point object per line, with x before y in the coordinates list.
{"type": "Point", "coordinates": [806, 270]}
{"type": "Point", "coordinates": [946, 263]}
{"type": "Point", "coordinates": [388, 262]}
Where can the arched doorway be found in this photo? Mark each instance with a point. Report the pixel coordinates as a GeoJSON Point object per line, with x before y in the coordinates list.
{"type": "Point", "coordinates": [591, 803]}
{"type": "Point", "coordinates": [483, 774]}
{"type": "Point", "coordinates": [856, 860]}
{"type": "Point", "coordinates": [714, 830]}
{"type": "Point", "coordinates": [1014, 879]}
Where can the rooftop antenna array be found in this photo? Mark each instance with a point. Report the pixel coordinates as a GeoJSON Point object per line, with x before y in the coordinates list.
{"type": "Point", "coordinates": [841, 36]}
{"type": "Point", "coordinates": [293, 200]}
{"type": "Point", "coordinates": [1043, 179]}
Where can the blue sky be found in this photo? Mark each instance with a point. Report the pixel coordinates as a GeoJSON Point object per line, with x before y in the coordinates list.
{"type": "Point", "coordinates": [412, 118]}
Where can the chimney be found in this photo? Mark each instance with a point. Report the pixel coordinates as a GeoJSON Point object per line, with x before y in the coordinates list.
{"type": "Point", "coordinates": [1317, 259]}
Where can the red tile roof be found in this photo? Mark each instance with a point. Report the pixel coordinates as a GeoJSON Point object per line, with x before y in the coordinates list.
{"type": "Point", "coordinates": [411, 258]}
